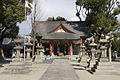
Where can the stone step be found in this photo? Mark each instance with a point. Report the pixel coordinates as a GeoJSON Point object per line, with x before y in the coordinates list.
{"type": "Point", "coordinates": [83, 64]}
{"type": "Point", "coordinates": [16, 68]}
{"type": "Point", "coordinates": [83, 61]}
{"type": "Point", "coordinates": [16, 71]}
{"type": "Point", "coordinates": [104, 60]}
{"type": "Point", "coordinates": [104, 64]}
{"type": "Point", "coordinates": [106, 72]}
{"type": "Point", "coordinates": [105, 67]}
{"type": "Point", "coordinates": [18, 63]}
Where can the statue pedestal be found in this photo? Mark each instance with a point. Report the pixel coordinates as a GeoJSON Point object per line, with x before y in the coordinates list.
{"type": "Point", "coordinates": [28, 61]}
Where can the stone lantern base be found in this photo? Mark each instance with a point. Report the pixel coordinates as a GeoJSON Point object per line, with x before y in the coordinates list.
{"type": "Point", "coordinates": [84, 61]}
{"type": "Point", "coordinates": [17, 66]}
{"type": "Point", "coordinates": [92, 64]}
{"type": "Point", "coordinates": [105, 67]}
{"type": "Point", "coordinates": [28, 62]}
{"type": "Point", "coordinates": [38, 59]}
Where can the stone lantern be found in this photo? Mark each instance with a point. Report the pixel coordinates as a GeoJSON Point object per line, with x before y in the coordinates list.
{"type": "Point", "coordinates": [92, 61]}
{"type": "Point", "coordinates": [103, 41]}
{"type": "Point", "coordinates": [17, 66]}
{"type": "Point", "coordinates": [28, 46]}
{"type": "Point", "coordinates": [40, 53]}
{"type": "Point", "coordinates": [80, 50]}
{"type": "Point", "coordinates": [18, 47]}
{"type": "Point", "coordinates": [115, 54]}
{"type": "Point", "coordinates": [84, 57]}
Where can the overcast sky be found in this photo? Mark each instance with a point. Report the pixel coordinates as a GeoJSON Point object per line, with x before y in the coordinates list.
{"type": "Point", "coordinates": [64, 8]}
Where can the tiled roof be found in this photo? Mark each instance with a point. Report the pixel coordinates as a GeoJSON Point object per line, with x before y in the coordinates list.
{"type": "Point", "coordinates": [79, 28]}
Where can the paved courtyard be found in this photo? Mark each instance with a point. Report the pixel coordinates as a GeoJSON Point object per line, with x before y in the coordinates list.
{"type": "Point", "coordinates": [58, 69]}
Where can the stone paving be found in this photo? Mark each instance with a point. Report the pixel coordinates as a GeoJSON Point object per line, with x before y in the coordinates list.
{"type": "Point", "coordinates": [48, 61]}
{"type": "Point", "coordinates": [60, 70]}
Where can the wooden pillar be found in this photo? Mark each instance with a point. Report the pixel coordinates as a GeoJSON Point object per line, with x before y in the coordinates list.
{"type": "Point", "coordinates": [70, 49]}
{"type": "Point", "coordinates": [51, 48]}
{"type": "Point", "coordinates": [38, 39]}
{"type": "Point", "coordinates": [83, 39]}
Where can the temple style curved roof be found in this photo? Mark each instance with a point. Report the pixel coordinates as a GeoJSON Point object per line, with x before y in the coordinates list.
{"type": "Point", "coordinates": [73, 30]}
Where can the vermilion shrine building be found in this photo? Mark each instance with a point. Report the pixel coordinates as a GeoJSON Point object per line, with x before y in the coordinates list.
{"type": "Point", "coordinates": [61, 37]}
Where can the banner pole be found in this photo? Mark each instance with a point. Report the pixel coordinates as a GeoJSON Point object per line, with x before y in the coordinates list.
{"type": "Point", "coordinates": [24, 30]}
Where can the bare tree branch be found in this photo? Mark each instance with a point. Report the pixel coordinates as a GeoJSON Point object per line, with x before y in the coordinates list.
{"type": "Point", "coordinates": [78, 12]}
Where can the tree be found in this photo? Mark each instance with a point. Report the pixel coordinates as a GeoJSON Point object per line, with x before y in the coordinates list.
{"type": "Point", "coordinates": [100, 15]}
{"type": "Point", "coordinates": [60, 18]}
{"type": "Point", "coordinates": [51, 19]}
{"type": "Point", "coordinates": [11, 12]}
{"type": "Point", "coordinates": [57, 19]}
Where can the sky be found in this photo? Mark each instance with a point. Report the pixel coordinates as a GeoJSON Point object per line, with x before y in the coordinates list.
{"type": "Point", "coordinates": [64, 8]}
{"type": "Point", "coordinates": [51, 8]}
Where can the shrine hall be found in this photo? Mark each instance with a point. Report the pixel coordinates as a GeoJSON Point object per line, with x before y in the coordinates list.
{"type": "Point", "coordinates": [61, 38]}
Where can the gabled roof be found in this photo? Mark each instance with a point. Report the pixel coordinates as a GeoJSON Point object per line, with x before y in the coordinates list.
{"type": "Point", "coordinates": [61, 27]}
{"type": "Point", "coordinates": [74, 30]}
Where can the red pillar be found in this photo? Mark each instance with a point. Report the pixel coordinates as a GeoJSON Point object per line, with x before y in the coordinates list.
{"type": "Point", "coordinates": [51, 46]}
{"type": "Point", "coordinates": [83, 40]}
{"type": "Point", "coordinates": [38, 40]}
{"type": "Point", "coordinates": [70, 49]}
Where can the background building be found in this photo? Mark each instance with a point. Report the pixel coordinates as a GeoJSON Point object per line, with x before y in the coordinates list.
{"type": "Point", "coordinates": [61, 36]}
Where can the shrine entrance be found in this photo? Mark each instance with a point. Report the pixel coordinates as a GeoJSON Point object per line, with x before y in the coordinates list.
{"type": "Point", "coordinates": [61, 49]}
